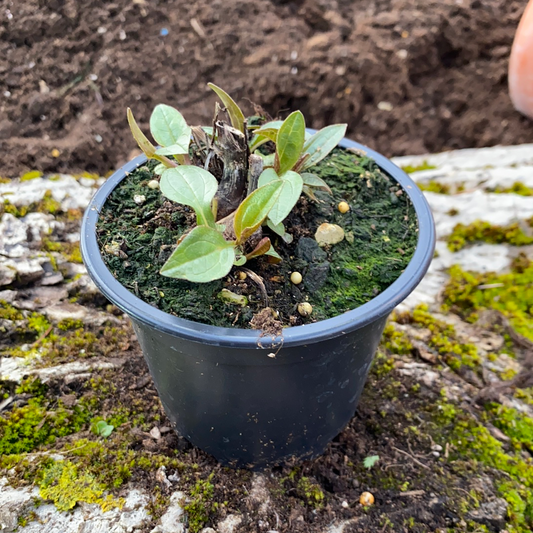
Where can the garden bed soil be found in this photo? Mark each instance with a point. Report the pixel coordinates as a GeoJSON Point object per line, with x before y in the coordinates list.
{"type": "Point", "coordinates": [380, 231]}
{"type": "Point", "coordinates": [409, 76]}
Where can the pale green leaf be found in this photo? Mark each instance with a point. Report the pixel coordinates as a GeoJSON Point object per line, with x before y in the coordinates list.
{"type": "Point", "coordinates": [202, 256]}
{"type": "Point", "coordinates": [236, 116]}
{"type": "Point", "coordinates": [254, 209]}
{"type": "Point", "coordinates": [268, 175]}
{"type": "Point", "coordinates": [144, 144]}
{"type": "Point", "coordinates": [370, 461]}
{"type": "Point", "coordinates": [274, 125]}
{"type": "Point", "coordinates": [268, 160]}
{"type": "Point", "coordinates": [322, 143]}
{"type": "Point", "coordinates": [273, 256]}
{"type": "Point", "coordinates": [288, 196]}
{"type": "Point", "coordinates": [240, 260]}
{"type": "Point", "coordinates": [103, 429]}
{"type": "Point", "coordinates": [192, 186]}
{"type": "Point", "coordinates": [169, 129]}
{"type": "Point", "coordinates": [290, 141]}
{"type": "Point", "coordinates": [159, 169]}
{"type": "Point", "coordinates": [312, 180]}
{"type": "Point", "coordinates": [279, 229]}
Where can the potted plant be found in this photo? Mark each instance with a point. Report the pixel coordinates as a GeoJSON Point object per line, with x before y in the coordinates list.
{"type": "Point", "coordinates": [201, 225]}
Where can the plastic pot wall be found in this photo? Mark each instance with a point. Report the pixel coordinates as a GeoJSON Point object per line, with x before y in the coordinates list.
{"type": "Point", "coordinates": [223, 390]}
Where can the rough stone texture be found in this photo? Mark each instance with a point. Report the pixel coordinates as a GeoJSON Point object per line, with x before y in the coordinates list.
{"type": "Point", "coordinates": [172, 520]}
{"type": "Point", "coordinates": [13, 503]}
{"type": "Point", "coordinates": [477, 171]}
{"type": "Point", "coordinates": [70, 192]}
{"type": "Point", "coordinates": [491, 514]}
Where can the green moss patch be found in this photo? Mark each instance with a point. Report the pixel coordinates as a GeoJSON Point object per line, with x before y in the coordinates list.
{"type": "Point", "coordinates": [516, 188]}
{"type": "Point", "coordinates": [65, 486]}
{"type": "Point", "coordinates": [423, 166]}
{"type": "Point", "coordinates": [380, 231]}
{"type": "Point", "coordinates": [511, 294]}
{"type": "Point", "coordinates": [481, 231]}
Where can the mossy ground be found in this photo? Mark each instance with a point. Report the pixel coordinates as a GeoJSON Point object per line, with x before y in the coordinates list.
{"type": "Point", "coordinates": [436, 449]}
{"type": "Point", "coordinates": [444, 453]}
{"type": "Point", "coordinates": [380, 230]}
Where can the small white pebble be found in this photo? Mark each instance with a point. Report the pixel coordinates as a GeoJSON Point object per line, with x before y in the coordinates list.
{"type": "Point", "coordinates": [139, 199]}
{"type": "Point", "coordinates": [402, 54]}
{"type": "Point", "coordinates": [122, 35]}
{"type": "Point", "coordinates": [153, 184]}
{"type": "Point", "coordinates": [7, 94]}
{"type": "Point", "coordinates": [272, 355]}
{"type": "Point", "coordinates": [385, 106]}
{"type": "Point", "coordinates": [294, 70]}
{"type": "Point", "coordinates": [93, 77]}
{"type": "Point", "coordinates": [345, 504]}
{"type": "Point", "coordinates": [98, 138]}
{"type": "Point", "coordinates": [101, 30]}
{"type": "Point", "coordinates": [294, 55]}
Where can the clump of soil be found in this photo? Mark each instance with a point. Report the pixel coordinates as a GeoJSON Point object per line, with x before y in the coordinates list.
{"type": "Point", "coordinates": [408, 76]}
{"type": "Point", "coordinates": [380, 230]}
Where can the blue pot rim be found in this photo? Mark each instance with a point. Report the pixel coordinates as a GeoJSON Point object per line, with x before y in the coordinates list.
{"type": "Point", "coordinates": [376, 308]}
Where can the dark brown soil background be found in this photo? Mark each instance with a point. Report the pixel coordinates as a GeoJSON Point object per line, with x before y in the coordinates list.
{"type": "Point", "coordinates": [69, 69]}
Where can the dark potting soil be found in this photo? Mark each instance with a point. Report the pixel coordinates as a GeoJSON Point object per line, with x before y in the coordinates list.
{"type": "Point", "coordinates": [380, 238]}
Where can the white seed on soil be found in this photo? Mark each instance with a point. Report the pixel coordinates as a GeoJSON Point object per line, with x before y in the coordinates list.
{"type": "Point", "coordinates": [153, 184]}
{"type": "Point", "coordinates": [305, 309]}
{"type": "Point", "coordinates": [296, 278]}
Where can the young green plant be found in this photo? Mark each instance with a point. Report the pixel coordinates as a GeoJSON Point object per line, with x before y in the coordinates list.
{"type": "Point", "coordinates": [251, 189]}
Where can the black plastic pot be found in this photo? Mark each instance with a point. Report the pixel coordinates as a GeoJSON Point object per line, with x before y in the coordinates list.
{"type": "Point", "coordinates": [221, 388]}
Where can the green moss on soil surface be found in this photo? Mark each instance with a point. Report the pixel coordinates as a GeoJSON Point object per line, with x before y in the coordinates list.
{"type": "Point", "coordinates": [380, 239]}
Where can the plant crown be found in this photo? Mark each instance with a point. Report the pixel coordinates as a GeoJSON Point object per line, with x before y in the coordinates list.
{"type": "Point", "coordinates": [252, 189]}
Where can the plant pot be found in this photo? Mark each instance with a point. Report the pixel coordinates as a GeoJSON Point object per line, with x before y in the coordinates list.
{"type": "Point", "coordinates": [222, 388]}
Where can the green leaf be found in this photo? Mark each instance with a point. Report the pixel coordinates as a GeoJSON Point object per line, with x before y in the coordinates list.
{"type": "Point", "coordinates": [273, 256]}
{"type": "Point", "coordinates": [202, 256]}
{"type": "Point", "coordinates": [144, 144]}
{"type": "Point", "coordinates": [268, 160]}
{"type": "Point", "coordinates": [268, 175]}
{"type": "Point", "coordinates": [290, 141]}
{"type": "Point", "coordinates": [159, 169]}
{"type": "Point", "coordinates": [273, 125]}
{"type": "Point", "coordinates": [322, 142]}
{"type": "Point", "coordinates": [170, 130]}
{"type": "Point", "coordinates": [312, 180]}
{"type": "Point", "coordinates": [103, 429]}
{"type": "Point", "coordinates": [254, 209]}
{"type": "Point", "coordinates": [236, 116]}
{"type": "Point", "coordinates": [279, 229]}
{"type": "Point", "coordinates": [370, 461]}
{"type": "Point", "coordinates": [192, 186]}
{"type": "Point", "coordinates": [289, 194]}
